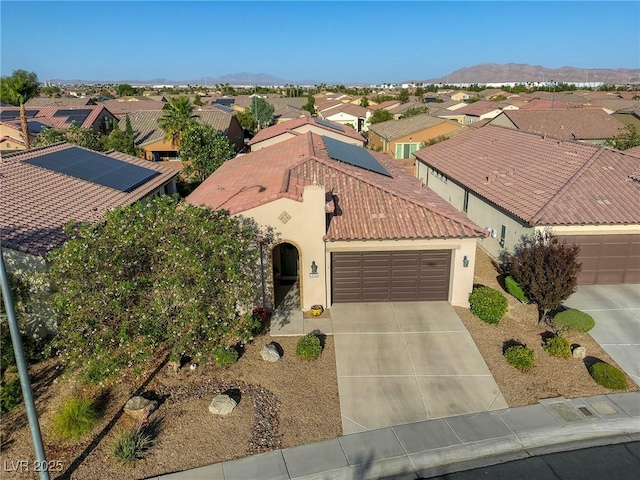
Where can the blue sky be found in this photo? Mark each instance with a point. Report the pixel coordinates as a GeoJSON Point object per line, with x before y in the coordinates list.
{"type": "Point", "coordinates": [344, 42]}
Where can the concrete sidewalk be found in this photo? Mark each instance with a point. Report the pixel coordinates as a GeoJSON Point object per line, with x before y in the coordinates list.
{"type": "Point", "coordinates": [430, 447]}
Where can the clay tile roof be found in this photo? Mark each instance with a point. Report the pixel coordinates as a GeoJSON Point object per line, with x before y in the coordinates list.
{"type": "Point", "coordinates": [348, 108]}
{"type": "Point", "coordinates": [59, 102]}
{"type": "Point", "coordinates": [542, 181]}
{"type": "Point", "coordinates": [388, 104]}
{"type": "Point", "coordinates": [570, 124]}
{"type": "Point", "coordinates": [393, 129]}
{"type": "Point", "coordinates": [481, 107]}
{"type": "Point", "coordinates": [51, 115]}
{"type": "Point", "coordinates": [37, 202]}
{"type": "Point", "coordinates": [373, 206]}
{"type": "Point", "coordinates": [145, 123]}
{"type": "Point", "coordinates": [120, 107]}
{"type": "Point", "coordinates": [291, 126]}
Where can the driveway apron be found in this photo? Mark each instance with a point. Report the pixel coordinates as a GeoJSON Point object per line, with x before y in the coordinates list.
{"type": "Point", "coordinates": [403, 362]}
{"type": "Point", "coordinates": [616, 311]}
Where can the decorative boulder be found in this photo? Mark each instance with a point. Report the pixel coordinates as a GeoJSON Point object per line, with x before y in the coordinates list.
{"type": "Point", "coordinates": [222, 405]}
{"type": "Point", "coordinates": [579, 352]}
{"type": "Point", "coordinates": [139, 408]}
{"type": "Point", "coordinates": [270, 353]}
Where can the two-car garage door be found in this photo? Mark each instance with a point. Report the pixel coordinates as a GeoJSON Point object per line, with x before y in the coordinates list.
{"type": "Point", "coordinates": [607, 259]}
{"type": "Point", "coordinates": [412, 275]}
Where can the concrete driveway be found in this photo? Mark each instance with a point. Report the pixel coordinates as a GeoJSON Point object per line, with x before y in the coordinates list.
{"type": "Point", "coordinates": [406, 362]}
{"type": "Point", "coordinates": [616, 310]}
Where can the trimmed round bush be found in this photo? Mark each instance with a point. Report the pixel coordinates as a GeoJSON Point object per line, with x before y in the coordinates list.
{"type": "Point", "coordinates": [608, 376]}
{"type": "Point", "coordinates": [488, 304]}
{"type": "Point", "coordinates": [225, 356]}
{"type": "Point", "coordinates": [573, 319]}
{"type": "Point", "coordinates": [558, 346]}
{"type": "Point", "coordinates": [514, 289]}
{"type": "Point", "coordinates": [76, 418]}
{"type": "Point", "coordinates": [309, 347]}
{"type": "Point", "coordinates": [521, 357]}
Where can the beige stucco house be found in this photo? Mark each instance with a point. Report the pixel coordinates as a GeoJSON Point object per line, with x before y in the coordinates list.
{"type": "Point", "coordinates": [513, 183]}
{"type": "Point", "coordinates": [349, 225]}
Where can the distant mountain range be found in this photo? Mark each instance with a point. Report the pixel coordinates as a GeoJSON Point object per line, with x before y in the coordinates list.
{"type": "Point", "coordinates": [519, 72]}
{"type": "Point", "coordinates": [483, 73]}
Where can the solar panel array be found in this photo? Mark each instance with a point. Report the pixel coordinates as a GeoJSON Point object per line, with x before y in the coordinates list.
{"type": "Point", "coordinates": [329, 124]}
{"type": "Point", "coordinates": [353, 155]}
{"type": "Point", "coordinates": [95, 168]}
{"type": "Point", "coordinates": [14, 114]}
{"type": "Point", "coordinates": [35, 126]}
{"type": "Point", "coordinates": [224, 108]}
{"type": "Point", "coordinates": [74, 115]}
{"type": "Point", "coordinates": [224, 101]}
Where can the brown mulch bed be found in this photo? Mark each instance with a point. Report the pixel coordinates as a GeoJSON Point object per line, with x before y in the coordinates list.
{"type": "Point", "coordinates": [551, 377]}
{"type": "Point", "coordinates": [284, 404]}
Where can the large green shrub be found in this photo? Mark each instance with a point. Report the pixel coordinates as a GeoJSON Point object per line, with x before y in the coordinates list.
{"type": "Point", "coordinates": [608, 376]}
{"type": "Point", "coordinates": [309, 347]}
{"type": "Point", "coordinates": [10, 395]}
{"type": "Point", "coordinates": [558, 346]}
{"type": "Point", "coordinates": [514, 289]}
{"type": "Point", "coordinates": [488, 304]}
{"type": "Point", "coordinates": [521, 357]}
{"type": "Point", "coordinates": [161, 272]}
{"type": "Point", "coordinates": [76, 417]}
{"type": "Point", "coordinates": [573, 319]}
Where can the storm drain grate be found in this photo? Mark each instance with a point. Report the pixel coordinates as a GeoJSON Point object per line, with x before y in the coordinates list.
{"type": "Point", "coordinates": [586, 411]}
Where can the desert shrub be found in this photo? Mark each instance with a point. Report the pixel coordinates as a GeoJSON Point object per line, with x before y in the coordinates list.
{"type": "Point", "coordinates": [573, 319]}
{"type": "Point", "coordinates": [130, 445]}
{"type": "Point", "coordinates": [76, 418]}
{"type": "Point", "coordinates": [488, 304]}
{"type": "Point", "coordinates": [514, 289]}
{"type": "Point", "coordinates": [521, 357]}
{"type": "Point", "coordinates": [558, 346]}
{"type": "Point", "coordinates": [309, 347]}
{"type": "Point", "coordinates": [10, 395]}
{"type": "Point", "coordinates": [97, 371]}
{"type": "Point", "coordinates": [608, 376]}
{"type": "Point", "coordinates": [225, 356]}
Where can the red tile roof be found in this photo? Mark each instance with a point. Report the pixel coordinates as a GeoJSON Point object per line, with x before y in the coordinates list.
{"type": "Point", "coordinates": [569, 124]}
{"type": "Point", "coordinates": [373, 206]}
{"type": "Point", "coordinates": [481, 107]}
{"type": "Point", "coordinates": [542, 181]}
{"type": "Point", "coordinates": [46, 115]}
{"type": "Point", "coordinates": [37, 202]}
{"type": "Point", "coordinates": [290, 126]}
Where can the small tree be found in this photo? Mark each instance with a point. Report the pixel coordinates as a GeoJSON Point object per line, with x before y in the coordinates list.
{"type": "Point", "coordinates": [206, 149]}
{"type": "Point", "coordinates": [547, 269]}
{"type": "Point", "coordinates": [403, 96]}
{"type": "Point", "coordinates": [628, 137]}
{"type": "Point", "coordinates": [122, 141]}
{"type": "Point", "coordinates": [381, 115]}
{"type": "Point", "coordinates": [413, 111]}
{"type": "Point", "coordinates": [262, 111]}
{"type": "Point", "coordinates": [247, 120]}
{"type": "Point", "coordinates": [310, 106]}
{"type": "Point", "coordinates": [83, 137]}
{"type": "Point", "coordinates": [364, 101]}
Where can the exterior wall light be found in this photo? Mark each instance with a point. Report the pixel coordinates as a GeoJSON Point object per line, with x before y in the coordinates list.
{"type": "Point", "coordinates": [465, 261]}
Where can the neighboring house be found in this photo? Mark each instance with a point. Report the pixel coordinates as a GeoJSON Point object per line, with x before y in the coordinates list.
{"type": "Point", "coordinates": [349, 225]}
{"type": "Point", "coordinates": [150, 138]}
{"type": "Point", "coordinates": [59, 102]}
{"type": "Point", "coordinates": [399, 110]}
{"type": "Point", "coordinates": [96, 117]}
{"type": "Point", "coordinates": [300, 126]}
{"type": "Point", "coordinates": [400, 138]}
{"type": "Point", "coordinates": [388, 104]}
{"type": "Point", "coordinates": [348, 114]}
{"type": "Point", "coordinates": [282, 105]}
{"type": "Point", "coordinates": [476, 111]}
{"type": "Point", "coordinates": [461, 96]}
{"type": "Point", "coordinates": [514, 183]}
{"type": "Point", "coordinates": [629, 116]}
{"type": "Point", "coordinates": [583, 125]}
{"type": "Point", "coordinates": [126, 106]}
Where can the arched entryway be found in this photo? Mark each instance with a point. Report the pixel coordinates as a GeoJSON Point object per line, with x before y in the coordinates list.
{"type": "Point", "coordinates": [286, 275]}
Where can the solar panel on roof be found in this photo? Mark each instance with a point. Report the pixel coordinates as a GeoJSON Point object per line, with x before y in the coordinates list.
{"type": "Point", "coordinates": [13, 114]}
{"type": "Point", "coordinates": [95, 168]}
{"type": "Point", "coordinates": [225, 108]}
{"type": "Point", "coordinates": [78, 115]}
{"type": "Point", "coordinates": [35, 126]}
{"type": "Point", "coordinates": [353, 155]}
{"type": "Point", "coordinates": [224, 101]}
{"type": "Point", "coordinates": [330, 125]}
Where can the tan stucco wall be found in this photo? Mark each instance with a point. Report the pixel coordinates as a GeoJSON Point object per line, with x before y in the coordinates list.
{"type": "Point", "coordinates": [461, 282]}
{"type": "Point", "coordinates": [503, 121]}
{"type": "Point", "coordinates": [423, 136]}
{"type": "Point", "coordinates": [8, 145]}
{"type": "Point", "coordinates": [593, 229]}
{"type": "Point", "coordinates": [159, 146]}
{"type": "Point", "coordinates": [305, 229]}
{"type": "Point", "coordinates": [271, 141]}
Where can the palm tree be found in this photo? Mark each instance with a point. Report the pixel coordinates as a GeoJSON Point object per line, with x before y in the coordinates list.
{"type": "Point", "coordinates": [17, 90]}
{"type": "Point", "coordinates": [177, 116]}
